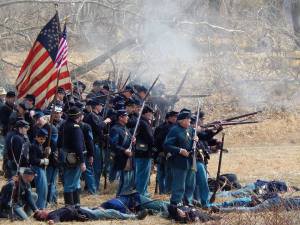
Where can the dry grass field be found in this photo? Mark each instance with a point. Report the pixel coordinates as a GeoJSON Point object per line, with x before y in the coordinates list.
{"type": "Point", "coordinates": [259, 153]}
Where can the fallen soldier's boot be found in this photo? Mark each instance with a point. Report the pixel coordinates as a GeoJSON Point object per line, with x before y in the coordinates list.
{"type": "Point", "coordinates": [185, 214]}
{"type": "Point", "coordinates": [142, 214]}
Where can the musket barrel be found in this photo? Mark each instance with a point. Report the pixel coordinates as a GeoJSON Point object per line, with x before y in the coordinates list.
{"type": "Point", "coordinates": [141, 110]}
{"type": "Point", "coordinates": [194, 165]}
{"type": "Point", "coordinates": [242, 116]}
{"type": "Point", "coordinates": [228, 123]}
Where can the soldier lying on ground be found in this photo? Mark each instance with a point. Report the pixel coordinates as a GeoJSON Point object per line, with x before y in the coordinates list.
{"type": "Point", "coordinates": [258, 187]}
{"type": "Point", "coordinates": [132, 202]}
{"type": "Point", "coordinates": [76, 213]}
{"type": "Point", "coordinates": [275, 202]}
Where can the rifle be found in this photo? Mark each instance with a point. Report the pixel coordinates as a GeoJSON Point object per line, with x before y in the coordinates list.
{"type": "Point", "coordinates": [107, 153]}
{"type": "Point", "coordinates": [189, 96]}
{"type": "Point", "coordinates": [232, 119]}
{"type": "Point", "coordinates": [213, 197]}
{"type": "Point", "coordinates": [126, 81]}
{"type": "Point", "coordinates": [179, 88]}
{"type": "Point", "coordinates": [111, 94]}
{"type": "Point", "coordinates": [242, 116]}
{"type": "Point", "coordinates": [140, 113]}
{"type": "Point", "coordinates": [11, 203]}
{"type": "Point", "coordinates": [221, 123]}
{"type": "Point", "coordinates": [107, 156]}
{"type": "Point", "coordinates": [120, 81]}
{"type": "Point", "coordinates": [194, 165]}
{"type": "Point", "coordinates": [182, 82]}
{"type": "Point", "coordinates": [105, 110]}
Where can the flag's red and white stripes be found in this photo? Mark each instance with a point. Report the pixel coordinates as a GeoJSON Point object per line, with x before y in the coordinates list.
{"type": "Point", "coordinates": [62, 53]}
{"type": "Point", "coordinates": [38, 75]}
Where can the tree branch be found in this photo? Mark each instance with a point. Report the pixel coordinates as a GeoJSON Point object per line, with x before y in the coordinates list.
{"type": "Point", "coordinates": [211, 25]}
{"type": "Point", "coordinates": [10, 63]}
{"type": "Point", "coordinates": [66, 2]}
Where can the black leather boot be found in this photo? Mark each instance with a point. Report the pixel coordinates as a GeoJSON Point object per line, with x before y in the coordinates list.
{"type": "Point", "coordinates": [68, 197]}
{"type": "Point", "coordinates": [76, 197]}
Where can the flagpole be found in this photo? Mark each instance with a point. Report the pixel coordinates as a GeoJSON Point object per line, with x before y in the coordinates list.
{"type": "Point", "coordinates": [55, 100]}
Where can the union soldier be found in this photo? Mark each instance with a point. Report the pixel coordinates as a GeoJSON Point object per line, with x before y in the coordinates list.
{"type": "Point", "coordinates": [201, 194]}
{"type": "Point", "coordinates": [141, 92]}
{"type": "Point", "coordinates": [179, 143]}
{"type": "Point", "coordinates": [39, 161]}
{"type": "Point", "coordinates": [207, 135]}
{"type": "Point", "coordinates": [71, 141]}
{"type": "Point", "coordinates": [17, 146]}
{"type": "Point", "coordinates": [57, 116]}
{"type": "Point", "coordinates": [53, 167]}
{"type": "Point", "coordinates": [2, 102]}
{"type": "Point", "coordinates": [88, 108]}
{"type": "Point", "coordinates": [120, 139]}
{"type": "Point", "coordinates": [105, 89]}
{"type": "Point", "coordinates": [19, 114]}
{"type": "Point", "coordinates": [60, 97]}
{"type": "Point", "coordinates": [96, 90]}
{"type": "Point", "coordinates": [6, 110]}
{"type": "Point", "coordinates": [95, 120]}
{"type": "Point", "coordinates": [73, 213]}
{"type": "Point", "coordinates": [89, 176]}
{"type": "Point", "coordinates": [143, 152]}
{"type": "Point", "coordinates": [78, 89]}
{"type": "Point", "coordinates": [125, 96]}
{"type": "Point", "coordinates": [17, 196]}
{"type": "Point", "coordinates": [133, 116]}
{"type": "Point", "coordinates": [164, 176]}
{"type": "Point", "coordinates": [41, 122]}
{"type": "Point", "coordinates": [132, 201]}
{"type": "Point", "coordinates": [2, 96]}
{"type": "Point", "coordinates": [29, 102]}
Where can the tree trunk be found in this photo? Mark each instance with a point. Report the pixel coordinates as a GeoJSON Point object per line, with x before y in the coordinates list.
{"type": "Point", "coordinates": [295, 11]}
{"type": "Point", "coordinates": [102, 58]}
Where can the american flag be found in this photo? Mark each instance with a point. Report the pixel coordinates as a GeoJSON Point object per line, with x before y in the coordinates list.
{"type": "Point", "coordinates": [45, 63]}
{"type": "Point", "coordinates": [61, 57]}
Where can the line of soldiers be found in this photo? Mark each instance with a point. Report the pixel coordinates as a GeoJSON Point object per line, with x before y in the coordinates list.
{"type": "Point", "coordinates": [77, 137]}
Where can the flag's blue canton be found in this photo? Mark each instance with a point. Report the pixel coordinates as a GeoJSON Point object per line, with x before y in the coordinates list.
{"type": "Point", "coordinates": [49, 36]}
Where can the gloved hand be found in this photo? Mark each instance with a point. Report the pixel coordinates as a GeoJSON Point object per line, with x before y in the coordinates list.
{"type": "Point", "coordinates": [44, 162]}
{"type": "Point", "coordinates": [48, 150]}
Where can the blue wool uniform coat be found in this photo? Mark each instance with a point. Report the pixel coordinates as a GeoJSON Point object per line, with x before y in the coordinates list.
{"type": "Point", "coordinates": [178, 138]}
{"type": "Point", "coordinates": [120, 139]}
{"type": "Point", "coordinates": [97, 125]}
{"type": "Point", "coordinates": [71, 139]}
{"type": "Point", "coordinates": [21, 196]}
